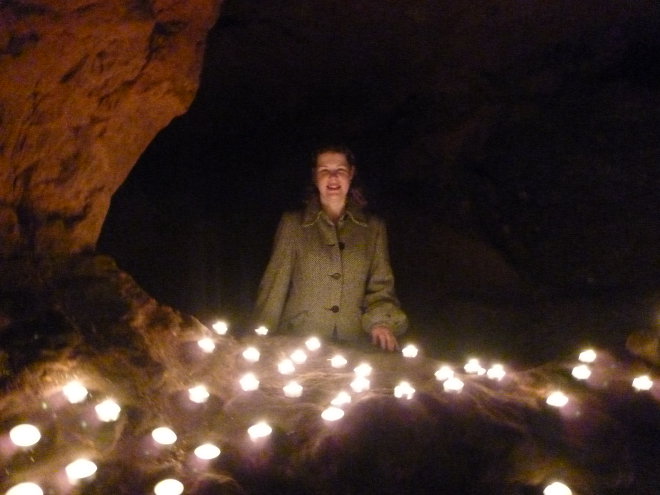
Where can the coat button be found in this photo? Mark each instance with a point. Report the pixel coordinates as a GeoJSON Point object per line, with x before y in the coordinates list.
{"type": "Point", "coordinates": [335, 309]}
{"type": "Point", "coordinates": [336, 276]}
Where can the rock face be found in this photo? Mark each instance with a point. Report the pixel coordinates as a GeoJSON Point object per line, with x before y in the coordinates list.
{"type": "Point", "coordinates": [84, 87]}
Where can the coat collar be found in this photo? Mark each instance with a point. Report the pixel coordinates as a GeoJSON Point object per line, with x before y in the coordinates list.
{"type": "Point", "coordinates": [313, 213]}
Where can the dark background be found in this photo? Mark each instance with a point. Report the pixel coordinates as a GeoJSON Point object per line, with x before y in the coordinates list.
{"type": "Point", "coordinates": [512, 148]}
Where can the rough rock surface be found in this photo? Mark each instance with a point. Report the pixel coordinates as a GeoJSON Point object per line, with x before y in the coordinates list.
{"type": "Point", "coordinates": [84, 87]}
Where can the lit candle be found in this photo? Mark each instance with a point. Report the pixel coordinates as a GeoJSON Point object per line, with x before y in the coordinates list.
{"type": "Point", "coordinates": [409, 351]}
{"type": "Point", "coordinates": [286, 367]}
{"type": "Point", "coordinates": [404, 390]}
{"type": "Point", "coordinates": [220, 327]}
{"type": "Point", "coordinates": [313, 344]}
{"type": "Point", "coordinates": [74, 392]}
{"type": "Point", "coordinates": [198, 394]}
{"type": "Point", "coordinates": [453, 385]}
{"type": "Point", "coordinates": [587, 356]}
{"type": "Point", "coordinates": [581, 372]}
{"type": "Point", "coordinates": [332, 413]}
{"type": "Point", "coordinates": [79, 469]}
{"type": "Point", "coordinates": [341, 399]}
{"type": "Point", "coordinates": [363, 369]}
{"type": "Point", "coordinates": [444, 373]}
{"type": "Point", "coordinates": [338, 361]}
{"type": "Point", "coordinates": [262, 331]}
{"type": "Point", "coordinates": [642, 382]}
{"type": "Point", "coordinates": [557, 488]}
{"type": "Point", "coordinates": [259, 430]}
{"type": "Point", "coordinates": [24, 435]}
{"type": "Point", "coordinates": [251, 354]}
{"type": "Point", "coordinates": [496, 372]}
{"type": "Point", "coordinates": [164, 435]}
{"type": "Point", "coordinates": [298, 356]}
{"type": "Point", "coordinates": [206, 344]}
{"type": "Point", "coordinates": [474, 367]}
{"type": "Point", "coordinates": [249, 382]}
{"type": "Point", "coordinates": [360, 384]}
{"type": "Point", "coordinates": [292, 389]}
{"type": "Point", "coordinates": [27, 488]}
{"type": "Point", "coordinates": [168, 486]}
{"type": "Point", "coordinates": [108, 410]}
{"type": "Point", "coordinates": [207, 451]}
{"type": "Point", "coordinates": [557, 399]}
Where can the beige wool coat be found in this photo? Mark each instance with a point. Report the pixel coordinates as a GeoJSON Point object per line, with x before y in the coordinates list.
{"type": "Point", "coordinates": [323, 277]}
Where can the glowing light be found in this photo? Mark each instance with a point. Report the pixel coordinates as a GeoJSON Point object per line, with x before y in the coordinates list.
{"type": "Point", "coordinates": [581, 372]}
{"type": "Point", "coordinates": [262, 331]}
{"type": "Point", "coordinates": [168, 486]}
{"type": "Point", "coordinates": [557, 399]}
{"type": "Point", "coordinates": [363, 369]}
{"type": "Point", "coordinates": [293, 389]}
{"type": "Point", "coordinates": [251, 354]}
{"type": "Point", "coordinates": [587, 356]}
{"type": "Point", "coordinates": [474, 367]}
{"type": "Point", "coordinates": [453, 385]}
{"type": "Point", "coordinates": [338, 361]}
{"type": "Point", "coordinates": [298, 356]}
{"type": "Point", "coordinates": [496, 372]}
{"type": "Point", "coordinates": [404, 390]}
{"type": "Point", "coordinates": [360, 384]}
{"type": "Point", "coordinates": [313, 344]}
{"type": "Point", "coordinates": [24, 435]}
{"type": "Point", "coordinates": [286, 367]}
{"type": "Point", "coordinates": [249, 382]}
{"type": "Point", "coordinates": [198, 394]}
{"type": "Point", "coordinates": [342, 398]}
{"type": "Point", "coordinates": [79, 469]}
{"type": "Point", "coordinates": [332, 414]}
{"type": "Point", "coordinates": [557, 488]}
{"type": "Point", "coordinates": [444, 373]}
{"type": "Point", "coordinates": [108, 410]}
{"type": "Point", "coordinates": [164, 435]}
{"type": "Point", "coordinates": [207, 451]}
{"type": "Point", "coordinates": [642, 382]}
{"type": "Point", "coordinates": [220, 327]}
{"type": "Point", "coordinates": [27, 488]}
{"type": "Point", "coordinates": [206, 344]}
{"type": "Point", "coordinates": [409, 351]}
{"type": "Point", "coordinates": [75, 392]}
{"type": "Point", "coordinates": [259, 430]}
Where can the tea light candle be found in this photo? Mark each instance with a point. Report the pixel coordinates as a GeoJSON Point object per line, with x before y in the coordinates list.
{"type": "Point", "coordinates": [249, 382]}
{"type": "Point", "coordinates": [79, 469]}
{"type": "Point", "coordinates": [206, 344]}
{"type": "Point", "coordinates": [220, 327]}
{"type": "Point", "coordinates": [259, 430]}
{"type": "Point", "coordinates": [404, 390]}
{"type": "Point", "coordinates": [24, 435]}
{"type": "Point", "coordinates": [557, 488]}
{"type": "Point", "coordinates": [286, 367]}
{"type": "Point", "coordinates": [251, 354]}
{"type": "Point", "coordinates": [26, 488]}
{"type": "Point", "coordinates": [581, 372]}
{"type": "Point", "coordinates": [363, 369]}
{"type": "Point", "coordinates": [75, 392]}
{"type": "Point", "coordinates": [557, 399]}
{"type": "Point", "coordinates": [207, 451]}
{"type": "Point", "coordinates": [496, 372]}
{"type": "Point", "coordinates": [298, 356]}
{"type": "Point", "coordinates": [360, 384]}
{"type": "Point", "coordinates": [198, 394]}
{"type": "Point", "coordinates": [342, 398]}
{"type": "Point", "coordinates": [453, 385]}
{"type": "Point", "coordinates": [444, 373]}
{"type": "Point", "coordinates": [108, 410]}
{"type": "Point", "coordinates": [410, 351]}
{"type": "Point", "coordinates": [261, 331]}
{"type": "Point", "coordinates": [332, 413]}
{"type": "Point", "coordinates": [338, 361]}
{"type": "Point", "coordinates": [292, 389]}
{"type": "Point", "coordinates": [168, 486]}
{"type": "Point", "coordinates": [474, 367]}
{"type": "Point", "coordinates": [164, 435]}
{"type": "Point", "coordinates": [642, 382]}
{"type": "Point", "coordinates": [587, 356]}
{"type": "Point", "coordinates": [313, 344]}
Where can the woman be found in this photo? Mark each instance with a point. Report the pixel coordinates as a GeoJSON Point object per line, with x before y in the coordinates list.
{"type": "Point", "coordinates": [329, 272]}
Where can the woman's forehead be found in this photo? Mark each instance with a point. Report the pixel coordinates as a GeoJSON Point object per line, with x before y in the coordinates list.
{"type": "Point", "coordinates": [331, 159]}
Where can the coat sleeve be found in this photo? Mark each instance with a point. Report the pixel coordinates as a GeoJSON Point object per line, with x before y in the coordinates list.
{"type": "Point", "coordinates": [381, 306]}
{"type": "Point", "coordinates": [274, 286]}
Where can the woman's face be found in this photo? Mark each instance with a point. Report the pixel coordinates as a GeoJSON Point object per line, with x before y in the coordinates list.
{"type": "Point", "coordinates": [333, 176]}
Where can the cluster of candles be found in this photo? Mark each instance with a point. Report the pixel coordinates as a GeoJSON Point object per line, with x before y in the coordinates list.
{"type": "Point", "coordinates": [25, 436]}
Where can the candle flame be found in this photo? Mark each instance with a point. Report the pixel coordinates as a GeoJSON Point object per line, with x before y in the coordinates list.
{"type": "Point", "coordinates": [24, 435]}
{"type": "Point", "coordinates": [220, 327]}
{"type": "Point", "coordinates": [168, 486]}
{"type": "Point", "coordinates": [557, 399]}
{"type": "Point", "coordinates": [259, 430]}
{"type": "Point", "coordinates": [410, 351]}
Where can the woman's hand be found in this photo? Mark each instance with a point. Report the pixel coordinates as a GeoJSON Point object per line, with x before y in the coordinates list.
{"type": "Point", "coordinates": [384, 338]}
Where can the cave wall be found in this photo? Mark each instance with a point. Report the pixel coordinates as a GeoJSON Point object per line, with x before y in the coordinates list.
{"type": "Point", "coordinates": [84, 87]}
